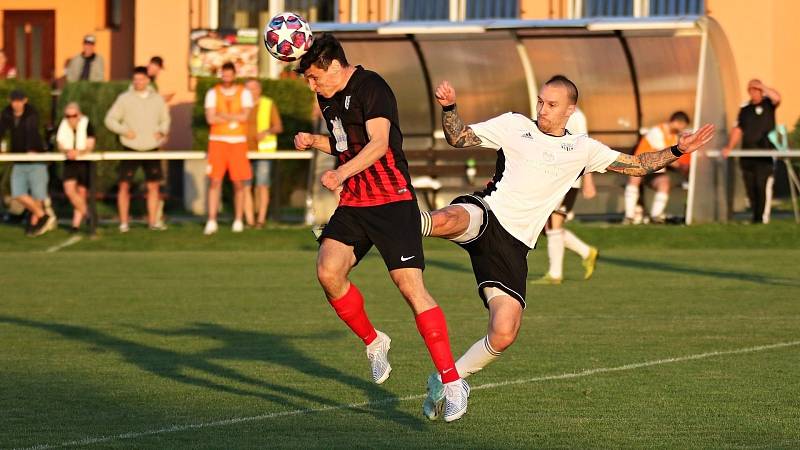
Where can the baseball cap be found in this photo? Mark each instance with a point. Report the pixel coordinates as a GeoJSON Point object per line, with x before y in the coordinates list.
{"type": "Point", "coordinates": [89, 39]}
{"type": "Point", "coordinates": [17, 94]}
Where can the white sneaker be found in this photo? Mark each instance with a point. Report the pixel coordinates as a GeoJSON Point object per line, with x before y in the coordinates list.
{"type": "Point", "coordinates": [124, 228]}
{"type": "Point", "coordinates": [211, 228]}
{"type": "Point", "coordinates": [432, 406]}
{"type": "Point", "coordinates": [158, 226]}
{"type": "Point", "coordinates": [378, 355]}
{"type": "Point", "coordinates": [238, 226]}
{"type": "Point", "coordinates": [456, 394]}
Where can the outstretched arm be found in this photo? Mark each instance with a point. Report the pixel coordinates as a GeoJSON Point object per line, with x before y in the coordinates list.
{"type": "Point", "coordinates": [455, 131]}
{"type": "Point", "coordinates": [644, 163]}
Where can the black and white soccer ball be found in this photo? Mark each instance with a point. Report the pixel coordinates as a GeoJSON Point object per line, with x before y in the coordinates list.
{"type": "Point", "coordinates": [287, 36]}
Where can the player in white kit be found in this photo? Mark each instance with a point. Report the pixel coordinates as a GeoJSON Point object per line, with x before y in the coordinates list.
{"type": "Point", "coordinates": [537, 163]}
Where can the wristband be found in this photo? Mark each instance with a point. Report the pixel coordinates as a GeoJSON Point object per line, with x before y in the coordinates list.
{"type": "Point", "coordinates": [676, 151]}
{"type": "Point", "coordinates": [448, 108]}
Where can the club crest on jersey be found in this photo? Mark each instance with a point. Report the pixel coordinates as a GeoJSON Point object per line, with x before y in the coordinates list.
{"type": "Point", "coordinates": [567, 146]}
{"type": "Point", "coordinates": [340, 135]}
{"type": "Point", "coordinates": [548, 157]}
{"type": "Point", "coordinates": [347, 102]}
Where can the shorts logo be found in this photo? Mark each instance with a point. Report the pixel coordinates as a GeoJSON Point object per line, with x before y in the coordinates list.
{"type": "Point", "coordinates": [340, 135]}
{"type": "Point", "coordinates": [406, 258]}
{"type": "Point", "coordinates": [402, 191]}
{"type": "Point", "coordinates": [347, 102]}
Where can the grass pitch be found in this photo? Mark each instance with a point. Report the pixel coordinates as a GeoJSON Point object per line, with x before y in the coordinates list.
{"type": "Point", "coordinates": [175, 340]}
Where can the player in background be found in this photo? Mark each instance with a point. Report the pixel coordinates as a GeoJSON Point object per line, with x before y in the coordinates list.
{"type": "Point", "coordinates": [537, 163]}
{"type": "Point", "coordinates": [558, 237]}
{"type": "Point", "coordinates": [377, 206]}
{"type": "Point", "coordinates": [660, 136]}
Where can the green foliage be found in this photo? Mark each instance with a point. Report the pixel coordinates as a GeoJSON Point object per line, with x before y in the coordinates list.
{"type": "Point", "coordinates": [38, 93]}
{"type": "Point", "coordinates": [794, 135]}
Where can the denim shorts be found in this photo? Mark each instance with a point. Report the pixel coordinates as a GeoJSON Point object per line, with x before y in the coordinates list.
{"type": "Point", "coordinates": [262, 172]}
{"type": "Point", "coordinates": [29, 178]}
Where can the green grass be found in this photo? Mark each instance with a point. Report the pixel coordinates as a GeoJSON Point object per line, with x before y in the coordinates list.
{"type": "Point", "coordinates": [140, 332]}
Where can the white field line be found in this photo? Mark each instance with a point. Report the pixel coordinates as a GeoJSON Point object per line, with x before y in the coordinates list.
{"type": "Point", "coordinates": [71, 241]}
{"type": "Point", "coordinates": [563, 376]}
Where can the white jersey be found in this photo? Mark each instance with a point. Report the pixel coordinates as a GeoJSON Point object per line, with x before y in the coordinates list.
{"type": "Point", "coordinates": [576, 124]}
{"type": "Point", "coordinates": [534, 171]}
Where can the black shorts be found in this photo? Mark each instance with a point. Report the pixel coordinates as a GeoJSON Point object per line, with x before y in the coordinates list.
{"type": "Point", "coordinates": [568, 203]}
{"type": "Point", "coordinates": [498, 259]}
{"type": "Point", "coordinates": [151, 167]}
{"type": "Point", "coordinates": [394, 229]}
{"type": "Point", "coordinates": [78, 171]}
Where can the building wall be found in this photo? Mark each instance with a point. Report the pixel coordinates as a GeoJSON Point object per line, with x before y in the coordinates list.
{"type": "Point", "coordinates": [74, 19]}
{"type": "Point", "coordinates": [765, 41]}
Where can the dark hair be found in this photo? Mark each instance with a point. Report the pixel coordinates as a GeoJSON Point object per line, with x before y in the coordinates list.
{"type": "Point", "coordinates": [159, 61]}
{"type": "Point", "coordinates": [140, 69]}
{"type": "Point", "coordinates": [229, 66]}
{"type": "Point", "coordinates": [679, 116]}
{"type": "Point", "coordinates": [561, 80]}
{"type": "Point", "coordinates": [322, 53]}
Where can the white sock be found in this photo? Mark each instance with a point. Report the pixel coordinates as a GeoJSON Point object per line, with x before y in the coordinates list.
{"type": "Point", "coordinates": [555, 252]}
{"type": "Point", "coordinates": [575, 244]}
{"type": "Point", "coordinates": [659, 204]}
{"type": "Point", "coordinates": [631, 197]}
{"type": "Point", "coordinates": [476, 358]}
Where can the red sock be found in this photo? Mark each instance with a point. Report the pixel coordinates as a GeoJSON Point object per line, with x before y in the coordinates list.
{"type": "Point", "coordinates": [350, 308]}
{"type": "Point", "coordinates": [433, 328]}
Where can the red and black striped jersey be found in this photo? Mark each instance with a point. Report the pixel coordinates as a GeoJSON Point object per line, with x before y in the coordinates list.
{"type": "Point", "coordinates": [367, 96]}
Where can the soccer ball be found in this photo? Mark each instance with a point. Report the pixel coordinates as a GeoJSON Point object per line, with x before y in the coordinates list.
{"type": "Point", "coordinates": [287, 36]}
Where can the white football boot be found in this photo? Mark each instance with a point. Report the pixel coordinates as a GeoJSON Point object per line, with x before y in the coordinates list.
{"type": "Point", "coordinates": [456, 394]}
{"type": "Point", "coordinates": [378, 355]}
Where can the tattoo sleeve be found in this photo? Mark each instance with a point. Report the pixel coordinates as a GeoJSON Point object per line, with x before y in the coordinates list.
{"type": "Point", "coordinates": [456, 133]}
{"type": "Point", "coordinates": [643, 163]}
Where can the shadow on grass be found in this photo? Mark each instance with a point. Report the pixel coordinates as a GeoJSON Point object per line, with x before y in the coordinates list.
{"type": "Point", "coordinates": [722, 274]}
{"type": "Point", "coordinates": [236, 345]}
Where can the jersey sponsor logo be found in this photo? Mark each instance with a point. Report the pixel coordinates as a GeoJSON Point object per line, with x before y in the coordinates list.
{"type": "Point", "coordinates": [347, 102]}
{"type": "Point", "coordinates": [406, 258]}
{"type": "Point", "coordinates": [759, 109]}
{"type": "Point", "coordinates": [340, 135]}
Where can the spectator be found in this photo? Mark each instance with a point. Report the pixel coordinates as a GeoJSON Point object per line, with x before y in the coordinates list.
{"type": "Point", "coordinates": [558, 236]}
{"type": "Point", "coordinates": [87, 65]}
{"type": "Point", "coordinates": [75, 137]}
{"type": "Point", "coordinates": [141, 118]}
{"type": "Point", "coordinates": [227, 106]}
{"type": "Point", "coordinates": [154, 68]}
{"type": "Point", "coordinates": [756, 119]}
{"type": "Point", "coordinates": [660, 136]}
{"type": "Point", "coordinates": [6, 70]}
{"type": "Point", "coordinates": [28, 179]}
{"type": "Point", "coordinates": [264, 125]}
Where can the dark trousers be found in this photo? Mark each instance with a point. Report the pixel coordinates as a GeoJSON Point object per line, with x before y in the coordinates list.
{"type": "Point", "coordinates": [755, 173]}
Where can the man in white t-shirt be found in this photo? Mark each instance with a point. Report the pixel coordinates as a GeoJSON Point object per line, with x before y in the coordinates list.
{"type": "Point", "coordinates": [537, 163]}
{"type": "Point", "coordinates": [558, 236]}
{"type": "Point", "coordinates": [227, 106]}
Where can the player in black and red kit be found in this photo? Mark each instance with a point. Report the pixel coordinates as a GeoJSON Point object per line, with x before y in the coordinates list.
{"type": "Point", "coordinates": [377, 207]}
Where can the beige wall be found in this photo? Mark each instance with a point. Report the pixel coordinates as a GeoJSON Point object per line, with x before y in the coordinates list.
{"type": "Point", "coordinates": [765, 43]}
{"type": "Point", "coordinates": [74, 19]}
{"type": "Point", "coordinates": [170, 40]}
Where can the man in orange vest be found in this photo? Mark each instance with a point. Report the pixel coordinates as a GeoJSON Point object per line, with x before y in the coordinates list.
{"type": "Point", "coordinates": [227, 106]}
{"type": "Point", "coordinates": [656, 138]}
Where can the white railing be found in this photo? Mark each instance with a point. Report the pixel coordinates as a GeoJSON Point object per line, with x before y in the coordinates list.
{"type": "Point", "coordinates": [138, 156]}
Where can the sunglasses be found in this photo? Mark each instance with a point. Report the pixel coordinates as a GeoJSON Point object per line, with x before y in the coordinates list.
{"type": "Point", "coordinates": [71, 116]}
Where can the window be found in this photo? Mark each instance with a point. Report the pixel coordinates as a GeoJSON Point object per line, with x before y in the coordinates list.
{"type": "Point", "coordinates": [638, 8]}
{"type": "Point", "coordinates": [235, 14]}
{"type": "Point", "coordinates": [492, 9]}
{"type": "Point", "coordinates": [113, 14]}
{"type": "Point", "coordinates": [425, 10]}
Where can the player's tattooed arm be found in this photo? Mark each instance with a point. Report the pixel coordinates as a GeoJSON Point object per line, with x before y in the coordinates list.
{"type": "Point", "coordinates": [456, 132]}
{"type": "Point", "coordinates": [644, 163]}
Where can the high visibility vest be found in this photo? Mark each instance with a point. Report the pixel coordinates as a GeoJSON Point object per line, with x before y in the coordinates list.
{"type": "Point", "coordinates": [229, 104]}
{"type": "Point", "coordinates": [264, 122]}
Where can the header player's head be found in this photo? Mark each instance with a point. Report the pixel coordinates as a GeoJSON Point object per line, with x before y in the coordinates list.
{"type": "Point", "coordinates": [325, 66]}
{"type": "Point", "coordinates": [557, 101]}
